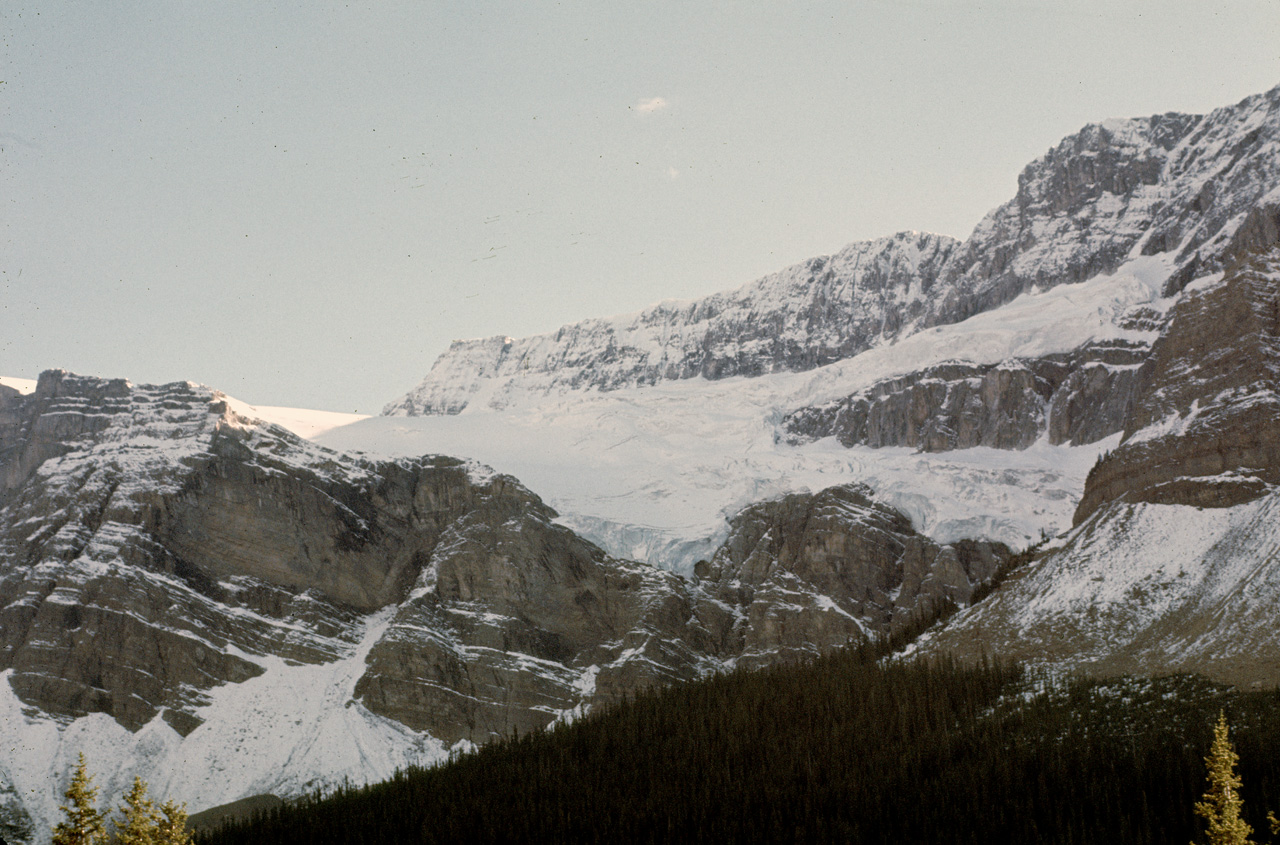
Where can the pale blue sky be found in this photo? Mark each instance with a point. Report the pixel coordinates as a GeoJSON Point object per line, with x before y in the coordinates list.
{"type": "Point", "coordinates": [302, 204]}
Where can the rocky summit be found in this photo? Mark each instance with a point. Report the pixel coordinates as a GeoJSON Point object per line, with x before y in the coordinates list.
{"type": "Point", "coordinates": [1198, 189]}
{"type": "Point", "coordinates": [159, 547]}
{"type": "Point", "coordinates": [844, 450]}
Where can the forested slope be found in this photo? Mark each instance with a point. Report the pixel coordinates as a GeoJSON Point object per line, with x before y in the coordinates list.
{"type": "Point", "coordinates": [845, 748]}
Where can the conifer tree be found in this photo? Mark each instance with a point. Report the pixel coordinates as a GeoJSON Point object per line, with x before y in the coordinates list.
{"type": "Point", "coordinates": [84, 823]}
{"type": "Point", "coordinates": [172, 827]}
{"type": "Point", "coordinates": [139, 820]}
{"type": "Point", "coordinates": [1221, 805]}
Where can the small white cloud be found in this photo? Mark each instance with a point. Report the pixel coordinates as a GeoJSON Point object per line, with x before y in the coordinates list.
{"type": "Point", "coordinates": [650, 105]}
{"type": "Point", "coordinates": [673, 173]}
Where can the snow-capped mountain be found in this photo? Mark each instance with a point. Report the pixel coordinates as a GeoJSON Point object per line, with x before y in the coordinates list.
{"type": "Point", "coordinates": [1172, 564]}
{"type": "Point", "coordinates": [205, 599]}
{"type": "Point", "coordinates": [194, 593]}
{"type": "Point", "coordinates": [927, 358]}
{"type": "Point", "coordinates": [1179, 186]}
{"type": "Point", "coordinates": [1119, 312]}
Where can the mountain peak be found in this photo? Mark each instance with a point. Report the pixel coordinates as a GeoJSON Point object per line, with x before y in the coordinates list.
{"type": "Point", "coordinates": [1169, 183]}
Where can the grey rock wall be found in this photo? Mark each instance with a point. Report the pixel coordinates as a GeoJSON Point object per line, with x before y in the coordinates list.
{"type": "Point", "coordinates": [1077, 398]}
{"type": "Point", "coordinates": [1204, 427]}
{"type": "Point", "coordinates": [165, 545]}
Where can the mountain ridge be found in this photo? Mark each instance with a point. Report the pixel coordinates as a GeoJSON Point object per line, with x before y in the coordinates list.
{"type": "Point", "coordinates": [173, 573]}
{"type": "Point", "coordinates": [1172, 183]}
{"type": "Point", "coordinates": [836, 451]}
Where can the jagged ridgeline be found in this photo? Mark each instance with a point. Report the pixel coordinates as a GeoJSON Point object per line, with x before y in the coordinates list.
{"type": "Point", "coordinates": [193, 594]}
{"type": "Point", "coordinates": [845, 749]}
{"type": "Point", "coordinates": [1195, 190]}
{"type": "Point", "coordinates": [176, 573]}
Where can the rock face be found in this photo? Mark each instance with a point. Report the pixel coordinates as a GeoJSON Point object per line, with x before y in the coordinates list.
{"type": "Point", "coordinates": [823, 310]}
{"type": "Point", "coordinates": [163, 542]}
{"type": "Point", "coordinates": [1204, 428]}
{"type": "Point", "coordinates": [157, 549]}
{"type": "Point", "coordinates": [1172, 564]}
{"type": "Point", "coordinates": [1199, 189]}
{"type": "Point", "coordinates": [1073, 398]}
{"type": "Point", "coordinates": [841, 552]}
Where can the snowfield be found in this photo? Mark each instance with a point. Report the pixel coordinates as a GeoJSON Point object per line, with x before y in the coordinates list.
{"type": "Point", "coordinates": [24, 386]}
{"type": "Point", "coordinates": [654, 473]}
{"type": "Point", "coordinates": [259, 736]}
{"type": "Point", "coordinates": [300, 421]}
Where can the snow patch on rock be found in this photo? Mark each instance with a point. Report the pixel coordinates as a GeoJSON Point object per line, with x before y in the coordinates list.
{"type": "Point", "coordinates": [289, 731]}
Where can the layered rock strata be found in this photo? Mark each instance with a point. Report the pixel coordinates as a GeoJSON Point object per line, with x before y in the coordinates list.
{"type": "Point", "coordinates": [1172, 565]}
{"type": "Point", "coordinates": [840, 551]}
{"type": "Point", "coordinates": [1204, 426]}
{"type": "Point", "coordinates": [155, 545]}
{"type": "Point", "coordinates": [1074, 398]}
{"type": "Point", "coordinates": [1199, 189]}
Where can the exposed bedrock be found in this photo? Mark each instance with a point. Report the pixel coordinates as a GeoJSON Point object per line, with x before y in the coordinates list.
{"type": "Point", "coordinates": [514, 620]}
{"type": "Point", "coordinates": [1075, 398]}
{"type": "Point", "coordinates": [167, 543]}
{"type": "Point", "coordinates": [168, 546]}
{"type": "Point", "coordinates": [1204, 426]}
{"type": "Point", "coordinates": [841, 551]}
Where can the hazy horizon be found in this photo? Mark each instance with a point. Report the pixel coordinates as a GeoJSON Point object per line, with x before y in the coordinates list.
{"type": "Point", "coordinates": [302, 206]}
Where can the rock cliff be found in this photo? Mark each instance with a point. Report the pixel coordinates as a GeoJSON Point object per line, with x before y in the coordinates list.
{"type": "Point", "coordinates": [840, 557]}
{"type": "Point", "coordinates": [1172, 564]}
{"type": "Point", "coordinates": [1075, 398]}
{"type": "Point", "coordinates": [1197, 188]}
{"type": "Point", "coordinates": [159, 549]}
{"type": "Point", "coordinates": [1204, 426]}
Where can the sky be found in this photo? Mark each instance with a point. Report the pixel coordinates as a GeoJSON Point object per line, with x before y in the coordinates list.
{"type": "Point", "coordinates": [302, 204]}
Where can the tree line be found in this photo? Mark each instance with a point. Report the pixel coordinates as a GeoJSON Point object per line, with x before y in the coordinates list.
{"type": "Point", "coordinates": [847, 748]}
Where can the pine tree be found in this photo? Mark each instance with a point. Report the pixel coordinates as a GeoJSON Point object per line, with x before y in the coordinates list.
{"type": "Point", "coordinates": [84, 824]}
{"type": "Point", "coordinates": [139, 821]}
{"type": "Point", "coordinates": [1221, 805]}
{"type": "Point", "coordinates": [172, 828]}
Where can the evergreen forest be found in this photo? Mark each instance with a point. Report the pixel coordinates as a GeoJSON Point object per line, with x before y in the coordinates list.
{"type": "Point", "coordinates": [846, 748]}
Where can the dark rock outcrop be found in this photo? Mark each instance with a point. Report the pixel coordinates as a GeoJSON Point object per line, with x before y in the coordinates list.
{"type": "Point", "coordinates": [816, 570]}
{"type": "Point", "coordinates": [1077, 398]}
{"type": "Point", "coordinates": [1204, 427]}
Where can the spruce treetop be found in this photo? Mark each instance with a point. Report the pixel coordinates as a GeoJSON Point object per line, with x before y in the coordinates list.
{"type": "Point", "coordinates": [83, 824]}
{"type": "Point", "coordinates": [1221, 805]}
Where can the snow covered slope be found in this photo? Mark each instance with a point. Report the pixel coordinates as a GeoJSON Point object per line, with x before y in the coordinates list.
{"type": "Point", "coordinates": [293, 729]}
{"type": "Point", "coordinates": [1179, 186]}
{"type": "Point", "coordinates": [655, 472]}
{"type": "Point", "coordinates": [1175, 562]}
{"type": "Point", "coordinates": [301, 421]}
{"type": "Point", "coordinates": [21, 385]}
{"type": "Point", "coordinates": [196, 596]}
{"type": "Point", "coordinates": [1142, 589]}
